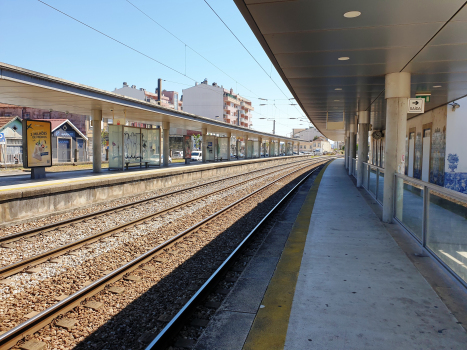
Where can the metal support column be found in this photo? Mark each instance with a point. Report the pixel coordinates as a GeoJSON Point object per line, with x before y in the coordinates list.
{"type": "Point", "coordinates": [204, 149]}
{"type": "Point", "coordinates": [165, 143]}
{"type": "Point", "coordinates": [96, 115]}
{"type": "Point", "coordinates": [229, 142]}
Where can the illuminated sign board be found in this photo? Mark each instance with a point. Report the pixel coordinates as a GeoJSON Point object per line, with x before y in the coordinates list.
{"type": "Point", "coordinates": [37, 144]}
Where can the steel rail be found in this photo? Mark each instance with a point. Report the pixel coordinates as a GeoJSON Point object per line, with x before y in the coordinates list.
{"type": "Point", "coordinates": [177, 322]}
{"type": "Point", "coordinates": [46, 228]}
{"type": "Point", "coordinates": [14, 268]}
{"type": "Point", "coordinates": [11, 337]}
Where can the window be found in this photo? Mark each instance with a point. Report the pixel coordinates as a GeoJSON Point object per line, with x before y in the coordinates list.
{"type": "Point", "coordinates": [27, 115]}
{"type": "Point", "coordinates": [46, 115]}
{"type": "Point", "coordinates": [7, 114]}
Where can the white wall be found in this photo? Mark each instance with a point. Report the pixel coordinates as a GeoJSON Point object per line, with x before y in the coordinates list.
{"type": "Point", "coordinates": [308, 134]}
{"type": "Point", "coordinates": [456, 125]}
{"type": "Point", "coordinates": [204, 100]}
{"type": "Point", "coordinates": [130, 92]}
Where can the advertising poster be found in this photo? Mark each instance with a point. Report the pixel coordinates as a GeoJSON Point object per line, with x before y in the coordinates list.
{"type": "Point", "coordinates": [37, 141]}
{"type": "Point", "coordinates": [187, 147]}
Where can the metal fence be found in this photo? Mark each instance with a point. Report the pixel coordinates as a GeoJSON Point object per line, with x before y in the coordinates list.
{"type": "Point", "coordinates": [373, 181]}
{"type": "Point", "coordinates": [437, 218]}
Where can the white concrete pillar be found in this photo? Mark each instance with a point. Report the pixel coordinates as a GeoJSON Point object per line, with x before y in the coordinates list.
{"type": "Point", "coordinates": [260, 142]}
{"type": "Point", "coordinates": [347, 146]}
{"type": "Point", "coordinates": [96, 115]}
{"type": "Point", "coordinates": [352, 145]}
{"type": "Point", "coordinates": [229, 141]}
{"type": "Point", "coordinates": [165, 143]}
{"type": "Point", "coordinates": [397, 91]}
{"type": "Point", "coordinates": [363, 126]}
{"type": "Point", "coordinates": [204, 132]}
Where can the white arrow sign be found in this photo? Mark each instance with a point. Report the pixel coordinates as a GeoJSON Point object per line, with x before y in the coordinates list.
{"type": "Point", "coordinates": [416, 105]}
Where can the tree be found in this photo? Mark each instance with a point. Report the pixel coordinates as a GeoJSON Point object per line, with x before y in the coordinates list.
{"type": "Point", "coordinates": [315, 138]}
{"type": "Point", "coordinates": [197, 139]}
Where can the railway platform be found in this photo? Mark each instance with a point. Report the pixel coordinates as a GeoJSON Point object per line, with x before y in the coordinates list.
{"type": "Point", "coordinates": [23, 199]}
{"type": "Point", "coordinates": [332, 275]}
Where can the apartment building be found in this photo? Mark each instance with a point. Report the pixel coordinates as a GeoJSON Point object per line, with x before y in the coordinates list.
{"type": "Point", "coordinates": [215, 102]}
{"type": "Point", "coordinates": [169, 99]}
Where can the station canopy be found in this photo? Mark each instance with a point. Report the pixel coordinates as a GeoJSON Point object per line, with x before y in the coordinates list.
{"type": "Point", "coordinates": [334, 54]}
{"type": "Point", "coordinates": [22, 87]}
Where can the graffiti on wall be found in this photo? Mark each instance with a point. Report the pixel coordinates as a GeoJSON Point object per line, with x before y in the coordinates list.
{"type": "Point", "coordinates": [417, 172]}
{"type": "Point", "coordinates": [438, 150]}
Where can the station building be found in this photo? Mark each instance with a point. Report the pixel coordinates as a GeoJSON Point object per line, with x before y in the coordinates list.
{"type": "Point", "coordinates": [12, 150]}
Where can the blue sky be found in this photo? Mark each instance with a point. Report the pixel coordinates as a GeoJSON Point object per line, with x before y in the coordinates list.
{"type": "Point", "coordinates": [36, 37]}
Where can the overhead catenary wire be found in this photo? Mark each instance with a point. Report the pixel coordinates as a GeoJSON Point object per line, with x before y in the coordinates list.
{"type": "Point", "coordinates": [188, 46]}
{"type": "Point", "coordinates": [152, 58]}
{"type": "Point", "coordinates": [116, 40]}
{"type": "Point", "coordinates": [241, 43]}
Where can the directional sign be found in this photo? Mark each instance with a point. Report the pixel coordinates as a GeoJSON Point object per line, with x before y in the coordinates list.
{"type": "Point", "coordinates": [416, 105]}
{"type": "Point", "coordinates": [2, 138]}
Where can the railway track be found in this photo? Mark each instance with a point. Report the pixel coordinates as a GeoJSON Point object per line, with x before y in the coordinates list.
{"type": "Point", "coordinates": [170, 331]}
{"type": "Point", "coordinates": [46, 316]}
{"type": "Point", "coordinates": [19, 266]}
{"type": "Point", "coordinates": [10, 238]}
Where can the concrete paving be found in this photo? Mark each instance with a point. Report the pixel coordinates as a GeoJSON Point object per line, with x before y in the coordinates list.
{"type": "Point", "coordinates": [357, 289]}
{"type": "Point", "coordinates": [231, 324]}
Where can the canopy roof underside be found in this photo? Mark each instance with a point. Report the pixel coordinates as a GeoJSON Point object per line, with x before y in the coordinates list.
{"type": "Point", "coordinates": [305, 38]}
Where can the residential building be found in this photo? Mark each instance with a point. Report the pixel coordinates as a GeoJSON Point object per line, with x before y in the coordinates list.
{"type": "Point", "coordinates": [307, 134]}
{"type": "Point", "coordinates": [169, 99]}
{"type": "Point", "coordinates": [321, 144]}
{"type": "Point", "coordinates": [215, 102]}
{"type": "Point", "coordinates": [12, 150]}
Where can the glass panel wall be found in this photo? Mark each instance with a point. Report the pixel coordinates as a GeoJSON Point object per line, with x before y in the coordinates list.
{"type": "Point", "coordinates": [116, 147]}
{"type": "Point", "coordinates": [255, 149]}
{"type": "Point", "coordinates": [223, 148]}
{"type": "Point", "coordinates": [249, 149]}
{"type": "Point", "coordinates": [211, 147]}
{"type": "Point", "coordinates": [380, 185]}
{"type": "Point", "coordinates": [365, 175]}
{"type": "Point", "coordinates": [132, 144]}
{"type": "Point", "coordinates": [447, 231]}
{"type": "Point", "coordinates": [409, 206]}
{"type": "Point", "coordinates": [150, 144]}
{"type": "Point", "coordinates": [373, 180]}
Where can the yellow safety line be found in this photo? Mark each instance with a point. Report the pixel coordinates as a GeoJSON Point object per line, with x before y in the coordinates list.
{"type": "Point", "coordinates": [269, 328]}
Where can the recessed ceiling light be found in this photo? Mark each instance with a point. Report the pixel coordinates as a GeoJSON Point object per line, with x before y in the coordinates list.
{"type": "Point", "coordinates": [343, 58]}
{"type": "Point", "coordinates": [436, 86]}
{"type": "Point", "coordinates": [352, 14]}
{"type": "Point", "coordinates": [338, 89]}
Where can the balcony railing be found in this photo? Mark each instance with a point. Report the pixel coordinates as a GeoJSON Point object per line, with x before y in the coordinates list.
{"type": "Point", "coordinates": [230, 98]}
{"type": "Point", "coordinates": [435, 216]}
